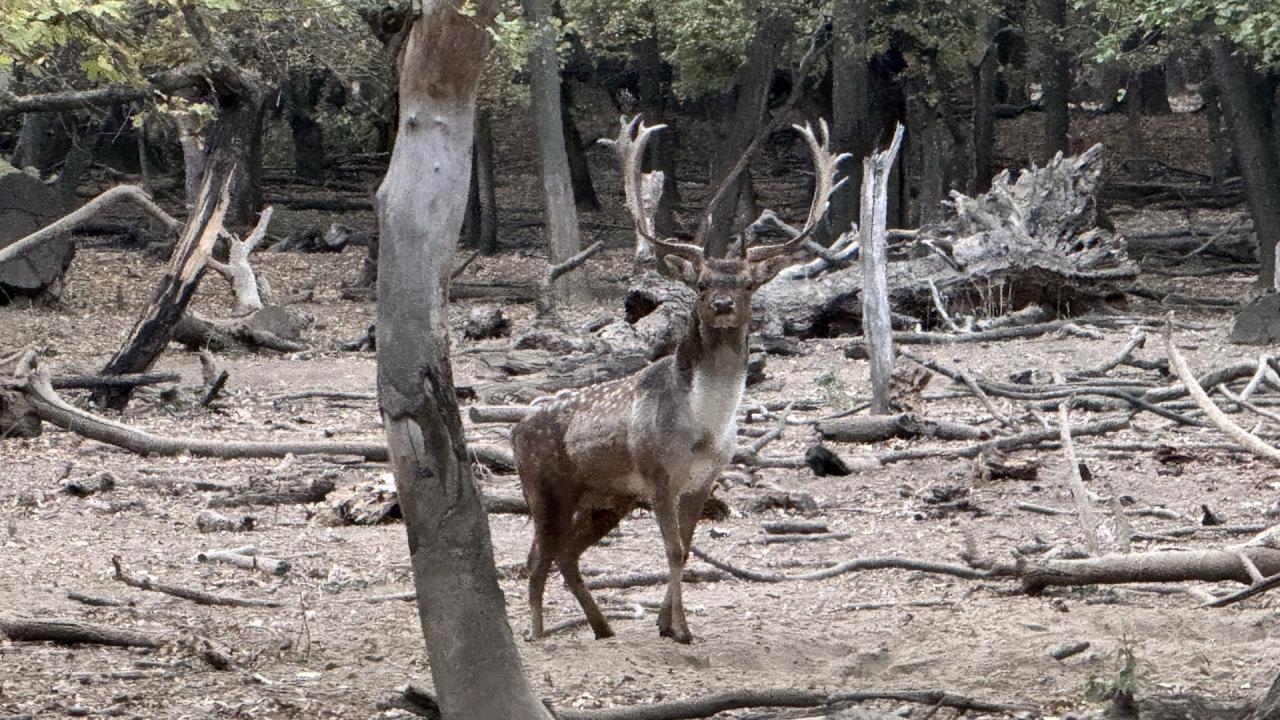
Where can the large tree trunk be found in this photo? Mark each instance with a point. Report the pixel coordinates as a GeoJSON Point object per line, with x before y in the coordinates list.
{"type": "Point", "coordinates": [1248, 115]}
{"type": "Point", "coordinates": [584, 193]}
{"type": "Point", "coordinates": [1035, 238]}
{"type": "Point", "coordinates": [852, 128]}
{"type": "Point", "coordinates": [1138, 164]}
{"type": "Point", "coordinates": [752, 94]}
{"type": "Point", "coordinates": [238, 132]}
{"type": "Point", "coordinates": [1055, 78]}
{"type": "Point", "coordinates": [242, 116]}
{"type": "Point", "coordinates": [474, 663]}
{"type": "Point", "coordinates": [544, 99]}
{"type": "Point", "coordinates": [486, 192]}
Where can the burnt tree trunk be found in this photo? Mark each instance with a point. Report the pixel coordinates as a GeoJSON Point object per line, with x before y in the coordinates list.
{"type": "Point", "coordinates": [242, 116]}
{"type": "Point", "coordinates": [237, 134]}
{"type": "Point", "coordinates": [1152, 91]}
{"type": "Point", "coordinates": [1221, 162]}
{"type": "Point", "coordinates": [653, 88]}
{"type": "Point", "coordinates": [928, 149]}
{"type": "Point", "coordinates": [155, 325]}
{"type": "Point", "coordinates": [480, 229]}
{"type": "Point", "coordinates": [751, 96]}
{"type": "Point", "coordinates": [302, 95]}
{"type": "Point", "coordinates": [852, 129]}
{"type": "Point", "coordinates": [486, 192]}
{"type": "Point", "coordinates": [1248, 115]}
{"type": "Point", "coordinates": [475, 666]}
{"type": "Point", "coordinates": [1055, 78]}
{"type": "Point", "coordinates": [984, 112]}
{"type": "Point", "coordinates": [43, 140]}
{"type": "Point", "coordinates": [584, 192]}
{"type": "Point", "coordinates": [1138, 164]}
{"type": "Point", "coordinates": [544, 101]}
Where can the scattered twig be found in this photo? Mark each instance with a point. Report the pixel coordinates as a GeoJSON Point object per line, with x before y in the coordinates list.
{"type": "Point", "coordinates": [246, 558]}
{"type": "Point", "coordinates": [96, 600]}
{"type": "Point", "coordinates": [197, 596]}
{"type": "Point", "coordinates": [707, 706]}
{"type": "Point", "coordinates": [816, 537]}
{"type": "Point", "coordinates": [860, 564]}
{"type": "Point", "coordinates": [1215, 414]}
{"type": "Point", "coordinates": [941, 308]}
{"type": "Point", "coordinates": [1137, 340]}
{"type": "Point", "coordinates": [1084, 511]}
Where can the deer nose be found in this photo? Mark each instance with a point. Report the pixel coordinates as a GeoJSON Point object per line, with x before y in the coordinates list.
{"type": "Point", "coordinates": [722, 305]}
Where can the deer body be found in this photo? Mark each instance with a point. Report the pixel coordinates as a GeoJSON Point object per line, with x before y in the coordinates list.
{"type": "Point", "coordinates": [658, 438]}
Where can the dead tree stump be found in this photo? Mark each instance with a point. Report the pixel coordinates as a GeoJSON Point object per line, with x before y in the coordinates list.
{"type": "Point", "coordinates": [1037, 237]}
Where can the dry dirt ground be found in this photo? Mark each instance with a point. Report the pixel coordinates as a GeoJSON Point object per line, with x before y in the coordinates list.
{"type": "Point", "coordinates": [329, 652]}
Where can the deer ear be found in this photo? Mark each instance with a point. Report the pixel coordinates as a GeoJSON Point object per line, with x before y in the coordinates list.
{"type": "Point", "coordinates": [677, 268]}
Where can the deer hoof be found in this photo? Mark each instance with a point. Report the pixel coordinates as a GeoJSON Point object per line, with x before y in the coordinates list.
{"type": "Point", "coordinates": [604, 633]}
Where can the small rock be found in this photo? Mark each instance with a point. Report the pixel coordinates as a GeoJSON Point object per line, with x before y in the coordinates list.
{"type": "Point", "coordinates": [102, 482]}
{"type": "Point", "coordinates": [210, 521]}
{"type": "Point", "coordinates": [823, 462]}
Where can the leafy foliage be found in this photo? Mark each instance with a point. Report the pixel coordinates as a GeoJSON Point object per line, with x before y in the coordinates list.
{"type": "Point", "coordinates": [1252, 25]}
{"type": "Point", "coordinates": [1115, 678]}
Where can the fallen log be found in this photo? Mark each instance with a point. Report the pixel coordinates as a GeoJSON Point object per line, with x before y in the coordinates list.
{"type": "Point", "coordinates": [48, 406]}
{"type": "Point", "coordinates": [95, 382]}
{"type": "Point", "coordinates": [878, 428]}
{"type": "Point", "coordinates": [1238, 563]}
{"type": "Point", "coordinates": [62, 630]}
{"type": "Point", "coordinates": [268, 328]}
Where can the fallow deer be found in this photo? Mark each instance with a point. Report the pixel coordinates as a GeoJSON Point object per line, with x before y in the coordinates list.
{"type": "Point", "coordinates": [660, 437]}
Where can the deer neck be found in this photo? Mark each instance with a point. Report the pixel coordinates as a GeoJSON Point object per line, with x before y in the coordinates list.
{"type": "Point", "coordinates": [712, 363]}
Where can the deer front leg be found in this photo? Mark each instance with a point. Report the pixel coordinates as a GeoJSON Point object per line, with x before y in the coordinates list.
{"type": "Point", "coordinates": [671, 622]}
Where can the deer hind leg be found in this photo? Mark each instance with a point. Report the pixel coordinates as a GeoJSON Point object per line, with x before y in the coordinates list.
{"type": "Point", "coordinates": [589, 526]}
{"type": "Point", "coordinates": [550, 524]}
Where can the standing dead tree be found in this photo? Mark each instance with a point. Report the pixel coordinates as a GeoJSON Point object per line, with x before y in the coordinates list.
{"type": "Point", "coordinates": [875, 297]}
{"type": "Point", "coordinates": [169, 301]}
{"type": "Point", "coordinates": [420, 213]}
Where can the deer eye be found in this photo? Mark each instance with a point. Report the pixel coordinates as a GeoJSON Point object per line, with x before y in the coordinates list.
{"type": "Point", "coordinates": [704, 284]}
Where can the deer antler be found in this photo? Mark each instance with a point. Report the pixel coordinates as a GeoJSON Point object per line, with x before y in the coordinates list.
{"type": "Point", "coordinates": [824, 172]}
{"type": "Point", "coordinates": [633, 136]}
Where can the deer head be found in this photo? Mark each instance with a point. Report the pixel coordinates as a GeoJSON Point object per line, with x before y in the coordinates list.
{"type": "Point", "coordinates": [723, 286]}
